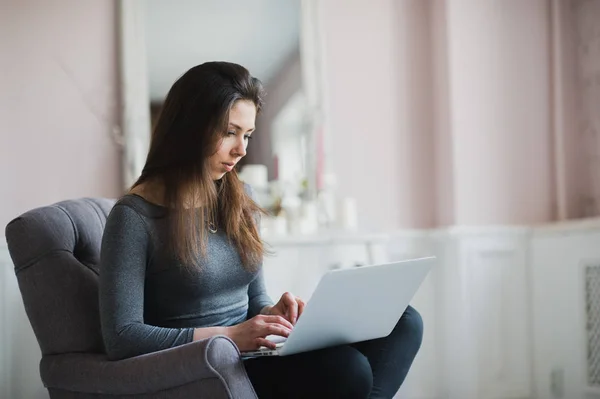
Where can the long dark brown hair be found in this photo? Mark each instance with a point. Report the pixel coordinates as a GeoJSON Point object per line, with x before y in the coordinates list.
{"type": "Point", "coordinates": [191, 124]}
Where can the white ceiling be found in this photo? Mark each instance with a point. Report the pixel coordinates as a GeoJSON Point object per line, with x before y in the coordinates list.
{"type": "Point", "coordinates": [258, 34]}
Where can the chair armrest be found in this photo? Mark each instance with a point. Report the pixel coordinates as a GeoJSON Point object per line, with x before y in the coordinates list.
{"type": "Point", "coordinates": [212, 358]}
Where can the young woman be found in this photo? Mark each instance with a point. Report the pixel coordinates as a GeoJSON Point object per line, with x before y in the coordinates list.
{"type": "Point", "coordinates": [181, 254]}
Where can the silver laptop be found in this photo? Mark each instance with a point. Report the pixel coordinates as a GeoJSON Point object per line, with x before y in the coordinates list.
{"type": "Point", "coordinates": [352, 305]}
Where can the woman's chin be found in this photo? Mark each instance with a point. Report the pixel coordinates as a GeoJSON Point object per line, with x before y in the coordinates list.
{"type": "Point", "coordinates": [218, 176]}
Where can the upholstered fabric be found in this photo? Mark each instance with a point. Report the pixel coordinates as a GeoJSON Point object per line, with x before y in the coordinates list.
{"type": "Point", "coordinates": [55, 250]}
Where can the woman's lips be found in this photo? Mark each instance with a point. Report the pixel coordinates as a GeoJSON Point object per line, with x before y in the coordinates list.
{"type": "Point", "coordinates": [228, 166]}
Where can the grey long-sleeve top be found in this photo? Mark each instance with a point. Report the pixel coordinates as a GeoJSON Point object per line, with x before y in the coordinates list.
{"type": "Point", "coordinates": [148, 302]}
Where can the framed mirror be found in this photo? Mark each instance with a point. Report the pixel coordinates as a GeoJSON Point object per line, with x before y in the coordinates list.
{"type": "Point", "coordinates": [277, 40]}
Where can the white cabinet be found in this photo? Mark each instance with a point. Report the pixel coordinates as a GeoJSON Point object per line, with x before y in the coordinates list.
{"type": "Point", "coordinates": [297, 263]}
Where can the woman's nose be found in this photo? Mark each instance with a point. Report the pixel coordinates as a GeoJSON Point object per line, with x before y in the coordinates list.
{"type": "Point", "coordinates": [240, 148]}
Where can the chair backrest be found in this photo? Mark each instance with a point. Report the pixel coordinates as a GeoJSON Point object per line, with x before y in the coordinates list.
{"type": "Point", "coordinates": [56, 250]}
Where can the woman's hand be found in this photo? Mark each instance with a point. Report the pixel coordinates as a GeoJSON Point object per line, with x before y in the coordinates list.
{"type": "Point", "coordinates": [289, 306]}
{"type": "Point", "coordinates": [250, 335]}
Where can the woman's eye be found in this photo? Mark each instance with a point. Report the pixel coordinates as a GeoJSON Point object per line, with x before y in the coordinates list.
{"type": "Point", "coordinates": [248, 137]}
{"type": "Point", "coordinates": [231, 133]}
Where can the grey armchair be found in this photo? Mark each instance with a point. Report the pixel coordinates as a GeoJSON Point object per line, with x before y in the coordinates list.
{"type": "Point", "coordinates": [55, 250]}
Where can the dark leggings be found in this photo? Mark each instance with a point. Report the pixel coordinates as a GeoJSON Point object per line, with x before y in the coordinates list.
{"type": "Point", "coordinates": [368, 369]}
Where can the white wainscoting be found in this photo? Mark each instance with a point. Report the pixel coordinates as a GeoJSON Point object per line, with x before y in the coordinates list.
{"type": "Point", "coordinates": [19, 351]}
{"type": "Point", "coordinates": [559, 256]}
{"type": "Point", "coordinates": [475, 308]}
{"type": "Point", "coordinates": [504, 312]}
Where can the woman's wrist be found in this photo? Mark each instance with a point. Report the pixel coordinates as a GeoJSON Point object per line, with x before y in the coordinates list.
{"type": "Point", "coordinates": [266, 310]}
{"type": "Point", "coordinates": [207, 332]}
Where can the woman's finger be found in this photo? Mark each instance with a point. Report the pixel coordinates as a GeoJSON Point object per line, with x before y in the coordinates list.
{"type": "Point", "coordinates": [265, 342]}
{"type": "Point", "coordinates": [276, 329]}
{"type": "Point", "coordinates": [301, 305]}
{"type": "Point", "coordinates": [292, 307]}
{"type": "Point", "coordinates": [288, 298]}
{"type": "Point", "coordinates": [278, 320]}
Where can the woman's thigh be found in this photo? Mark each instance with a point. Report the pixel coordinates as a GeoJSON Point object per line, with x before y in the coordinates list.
{"type": "Point", "coordinates": [338, 372]}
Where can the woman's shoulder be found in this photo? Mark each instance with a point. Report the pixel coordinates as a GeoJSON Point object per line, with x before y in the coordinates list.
{"type": "Point", "coordinates": [138, 204]}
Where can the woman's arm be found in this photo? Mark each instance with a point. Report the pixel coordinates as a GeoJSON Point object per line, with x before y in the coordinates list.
{"type": "Point", "coordinates": [207, 332]}
{"type": "Point", "coordinates": [123, 259]}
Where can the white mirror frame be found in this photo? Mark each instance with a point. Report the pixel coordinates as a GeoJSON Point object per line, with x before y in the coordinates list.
{"type": "Point", "coordinates": [135, 110]}
{"type": "Point", "coordinates": [133, 73]}
{"type": "Point", "coordinates": [313, 84]}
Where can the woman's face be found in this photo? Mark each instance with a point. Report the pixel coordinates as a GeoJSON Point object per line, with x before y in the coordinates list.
{"type": "Point", "coordinates": [233, 146]}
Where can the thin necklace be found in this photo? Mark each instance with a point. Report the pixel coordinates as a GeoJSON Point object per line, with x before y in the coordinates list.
{"type": "Point", "coordinates": [212, 228]}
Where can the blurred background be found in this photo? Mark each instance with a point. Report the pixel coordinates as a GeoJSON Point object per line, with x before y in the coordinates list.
{"type": "Point", "coordinates": [464, 129]}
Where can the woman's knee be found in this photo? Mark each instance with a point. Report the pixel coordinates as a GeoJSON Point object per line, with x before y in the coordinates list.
{"type": "Point", "coordinates": [410, 326]}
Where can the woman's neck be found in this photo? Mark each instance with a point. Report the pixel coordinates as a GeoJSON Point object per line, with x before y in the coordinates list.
{"type": "Point", "coordinates": [153, 192]}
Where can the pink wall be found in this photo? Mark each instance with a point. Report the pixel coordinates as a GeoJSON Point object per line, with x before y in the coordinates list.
{"type": "Point", "coordinates": [443, 140]}
{"type": "Point", "coordinates": [576, 100]}
{"type": "Point", "coordinates": [432, 124]}
{"type": "Point", "coordinates": [360, 41]}
{"type": "Point", "coordinates": [415, 179]}
{"type": "Point", "coordinates": [584, 19]}
{"type": "Point", "coordinates": [58, 103]}
{"type": "Point", "coordinates": [569, 169]}
{"type": "Point", "coordinates": [499, 94]}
